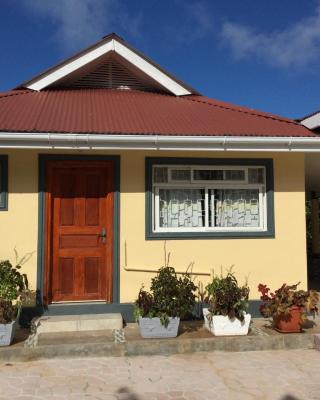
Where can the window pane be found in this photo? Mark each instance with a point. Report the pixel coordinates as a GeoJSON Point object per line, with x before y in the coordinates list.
{"type": "Point", "coordinates": [160, 174]}
{"type": "Point", "coordinates": [235, 175]}
{"type": "Point", "coordinates": [256, 175]}
{"type": "Point", "coordinates": [180, 174]}
{"type": "Point", "coordinates": [207, 175]}
{"type": "Point", "coordinates": [234, 208]}
{"type": "Point", "coordinates": [181, 208]}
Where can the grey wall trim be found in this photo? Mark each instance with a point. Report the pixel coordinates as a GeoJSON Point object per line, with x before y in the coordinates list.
{"type": "Point", "coordinates": [116, 220]}
{"type": "Point", "coordinates": [266, 162]}
{"type": "Point", "coordinates": [126, 309]}
{"type": "Point", "coordinates": [4, 183]}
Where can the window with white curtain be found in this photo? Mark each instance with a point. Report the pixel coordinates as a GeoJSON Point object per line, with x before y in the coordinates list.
{"type": "Point", "coordinates": [209, 198]}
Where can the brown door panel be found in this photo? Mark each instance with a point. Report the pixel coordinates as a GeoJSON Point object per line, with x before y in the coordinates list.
{"type": "Point", "coordinates": [80, 237]}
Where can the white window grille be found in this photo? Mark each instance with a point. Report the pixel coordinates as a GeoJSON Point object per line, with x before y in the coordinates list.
{"type": "Point", "coordinates": [209, 198]}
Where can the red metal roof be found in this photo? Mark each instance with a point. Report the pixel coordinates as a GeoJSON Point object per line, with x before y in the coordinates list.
{"type": "Point", "coordinates": [108, 111]}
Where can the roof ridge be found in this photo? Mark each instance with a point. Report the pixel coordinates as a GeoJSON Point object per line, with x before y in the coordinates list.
{"type": "Point", "coordinates": [4, 95]}
{"type": "Point", "coordinates": [247, 111]}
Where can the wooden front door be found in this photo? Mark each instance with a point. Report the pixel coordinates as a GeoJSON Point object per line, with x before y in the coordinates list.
{"type": "Point", "coordinates": [80, 230]}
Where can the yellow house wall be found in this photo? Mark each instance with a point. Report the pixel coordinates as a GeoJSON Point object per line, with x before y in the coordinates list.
{"type": "Point", "coordinates": [270, 260]}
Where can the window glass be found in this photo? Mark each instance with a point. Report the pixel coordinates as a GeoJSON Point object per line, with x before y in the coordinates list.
{"type": "Point", "coordinates": [160, 174]}
{"type": "Point", "coordinates": [255, 175]}
{"type": "Point", "coordinates": [235, 175]}
{"type": "Point", "coordinates": [207, 175]}
{"type": "Point", "coordinates": [181, 208]}
{"type": "Point", "coordinates": [234, 208]}
{"type": "Point", "coordinates": [180, 174]}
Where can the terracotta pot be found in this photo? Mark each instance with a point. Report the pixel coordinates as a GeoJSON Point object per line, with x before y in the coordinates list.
{"type": "Point", "coordinates": [289, 323]}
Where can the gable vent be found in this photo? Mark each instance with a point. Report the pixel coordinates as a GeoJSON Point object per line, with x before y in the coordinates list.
{"type": "Point", "coordinates": [111, 75]}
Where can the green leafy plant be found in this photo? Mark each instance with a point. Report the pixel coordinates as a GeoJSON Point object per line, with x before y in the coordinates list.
{"type": "Point", "coordinates": [13, 286]}
{"type": "Point", "coordinates": [225, 297]}
{"type": "Point", "coordinates": [8, 311]}
{"type": "Point", "coordinates": [12, 282]}
{"type": "Point", "coordinates": [169, 296]}
{"type": "Point", "coordinates": [279, 303]}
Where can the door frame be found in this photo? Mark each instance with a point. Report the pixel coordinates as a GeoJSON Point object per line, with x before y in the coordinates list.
{"type": "Point", "coordinates": [42, 231]}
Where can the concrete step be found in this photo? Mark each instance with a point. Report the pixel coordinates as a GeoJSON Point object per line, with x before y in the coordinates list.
{"type": "Point", "coordinates": [79, 323]}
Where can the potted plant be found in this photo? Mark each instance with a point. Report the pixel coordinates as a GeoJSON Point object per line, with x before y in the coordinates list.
{"type": "Point", "coordinates": [226, 313]}
{"type": "Point", "coordinates": [288, 306]}
{"type": "Point", "coordinates": [170, 298]}
{"type": "Point", "coordinates": [12, 286]}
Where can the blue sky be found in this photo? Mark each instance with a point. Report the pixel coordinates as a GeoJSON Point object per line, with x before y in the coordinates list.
{"type": "Point", "coordinates": [263, 54]}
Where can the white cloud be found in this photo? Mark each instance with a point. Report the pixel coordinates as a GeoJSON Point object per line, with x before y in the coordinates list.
{"type": "Point", "coordinates": [294, 47]}
{"type": "Point", "coordinates": [81, 22]}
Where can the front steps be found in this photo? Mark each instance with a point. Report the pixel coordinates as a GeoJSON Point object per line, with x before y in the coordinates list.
{"type": "Point", "coordinates": [78, 323]}
{"type": "Point", "coordinates": [110, 324]}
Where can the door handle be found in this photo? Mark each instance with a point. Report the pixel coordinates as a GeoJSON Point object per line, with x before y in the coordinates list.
{"type": "Point", "coordinates": [103, 235]}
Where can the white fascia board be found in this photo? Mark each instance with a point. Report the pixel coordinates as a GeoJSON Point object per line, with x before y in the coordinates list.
{"type": "Point", "coordinates": [128, 54]}
{"type": "Point", "coordinates": [70, 67]}
{"type": "Point", "coordinates": [311, 122]}
{"type": "Point", "coordinates": [156, 142]}
{"type": "Point", "coordinates": [150, 70]}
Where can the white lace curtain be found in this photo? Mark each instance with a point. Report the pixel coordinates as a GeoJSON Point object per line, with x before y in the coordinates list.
{"type": "Point", "coordinates": [236, 207]}
{"type": "Point", "coordinates": [181, 208]}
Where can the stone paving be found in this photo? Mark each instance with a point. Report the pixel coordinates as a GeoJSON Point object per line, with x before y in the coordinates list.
{"type": "Point", "coordinates": [267, 375]}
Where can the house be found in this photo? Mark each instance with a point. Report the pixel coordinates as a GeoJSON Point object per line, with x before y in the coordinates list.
{"type": "Point", "coordinates": [312, 122]}
{"type": "Point", "coordinates": [106, 159]}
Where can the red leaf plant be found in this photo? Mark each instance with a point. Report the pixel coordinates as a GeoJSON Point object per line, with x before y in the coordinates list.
{"type": "Point", "coordinates": [279, 303]}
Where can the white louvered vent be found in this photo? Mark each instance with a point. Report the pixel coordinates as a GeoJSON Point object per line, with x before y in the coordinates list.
{"type": "Point", "coordinates": [111, 75]}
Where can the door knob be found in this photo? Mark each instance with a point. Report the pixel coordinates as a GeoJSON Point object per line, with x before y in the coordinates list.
{"type": "Point", "coordinates": [103, 235]}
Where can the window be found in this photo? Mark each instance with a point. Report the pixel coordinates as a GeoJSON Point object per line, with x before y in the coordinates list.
{"type": "Point", "coordinates": [3, 183]}
{"type": "Point", "coordinates": [229, 198]}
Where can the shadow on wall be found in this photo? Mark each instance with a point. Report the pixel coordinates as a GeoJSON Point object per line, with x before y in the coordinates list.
{"type": "Point", "coordinates": [125, 393]}
{"type": "Point", "coordinates": [289, 397]}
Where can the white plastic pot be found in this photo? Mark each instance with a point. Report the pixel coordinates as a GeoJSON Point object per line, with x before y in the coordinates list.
{"type": "Point", "coordinates": [7, 332]}
{"type": "Point", "coordinates": [219, 325]}
{"type": "Point", "coordinates": [151, 328]}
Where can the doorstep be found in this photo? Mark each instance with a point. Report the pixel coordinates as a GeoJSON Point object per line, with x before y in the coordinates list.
{"type": "Point", "coordinates": [192, 338]}
{"type": "Point", "coordinates": [78, 323]}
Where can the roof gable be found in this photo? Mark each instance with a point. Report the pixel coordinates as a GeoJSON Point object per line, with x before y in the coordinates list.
{"type": "Point", "coordinates": [139, 69]}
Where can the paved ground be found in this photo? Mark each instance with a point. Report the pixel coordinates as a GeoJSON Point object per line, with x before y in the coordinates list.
{"type": "Point", "coordinates": [274, 375]}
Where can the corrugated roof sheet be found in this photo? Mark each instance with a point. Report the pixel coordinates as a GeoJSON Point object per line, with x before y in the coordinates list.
{"type": "Point", "coordinates": [108, 111]}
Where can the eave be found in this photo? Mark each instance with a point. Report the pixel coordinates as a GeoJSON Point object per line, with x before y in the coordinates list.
{"type": "Point", "coordinates": [74, 141]}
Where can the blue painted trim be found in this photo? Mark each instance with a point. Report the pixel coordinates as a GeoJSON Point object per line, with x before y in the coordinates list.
{"type": "Point", "coordinates": [4, 183]}
{"type": "Point", "coordinates": [266, 162]}
{"type": "Point", "coordinates": [116, 220]}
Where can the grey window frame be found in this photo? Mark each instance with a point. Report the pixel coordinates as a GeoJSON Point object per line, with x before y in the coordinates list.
{"type": "Point", "coordinates": [4, 183]}
{"type": "Point", "coordinates": [269, 190]}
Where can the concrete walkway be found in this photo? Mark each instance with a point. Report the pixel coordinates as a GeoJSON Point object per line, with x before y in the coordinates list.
{"type": "Point", "coordinates": [274, 375]}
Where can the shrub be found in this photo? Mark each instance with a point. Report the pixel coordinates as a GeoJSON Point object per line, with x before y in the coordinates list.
{"type": "Point", "coordinates": [8, 311]}
{"type": "Point", "coordinates": [225, 297]}
{"type": "Point", "coordinates": [12, 282]}
{"type": "Point", "coordinates": [13, 285]}
{"type": "Point", "coordinates": [169, 296]}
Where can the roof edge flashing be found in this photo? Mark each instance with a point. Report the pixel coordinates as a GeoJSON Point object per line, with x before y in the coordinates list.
{"type": "Point", "coordinates": [156, 142]}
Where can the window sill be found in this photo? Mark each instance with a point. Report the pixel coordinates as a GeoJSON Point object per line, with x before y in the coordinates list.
{"type": "Point", "coordinates": [208, 235]}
